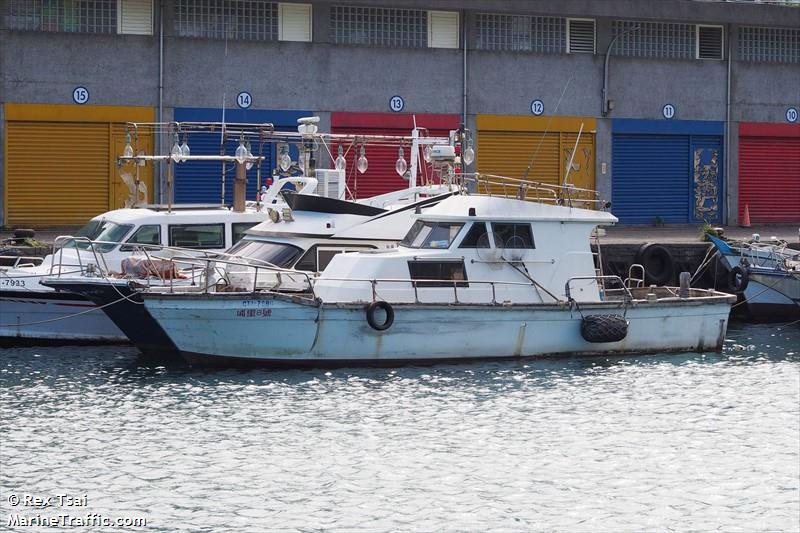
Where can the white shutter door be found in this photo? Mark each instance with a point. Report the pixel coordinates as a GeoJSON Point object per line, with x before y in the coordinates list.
{"type": "Point", "coordinates": [136, 17]}
{"type": "Point", "coordinates": [442, 29]}
{"type": "Point", "coordinates": [295, 22]}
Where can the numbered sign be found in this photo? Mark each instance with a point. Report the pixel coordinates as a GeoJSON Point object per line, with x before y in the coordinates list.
{"type": "Point", "coordinates": [537, 107]}
{"type": "Point", "coordinates": [80, 95]}
{"type": "Point", "coordinates": [244, 100]}
{"type": "Point", "coordinates": [396, 103]}
{"type": "Point", "coordinates": [668, 111]}
{"type": "Point", "coordinates": [791, 115]}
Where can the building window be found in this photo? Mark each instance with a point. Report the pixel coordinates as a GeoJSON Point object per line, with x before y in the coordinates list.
{"type": "Point", "coordinates": [242, 20]}
{"type": "Point", "coordinates": [442, 29]}
{"type": "Point", "coordinates": [518, 33]}
{"type": "Point", "coordinates": [769, 45]}
{"type": "Point", "coordinates": [374, 26]}
{"type": "Point", "coordinates": [72, 16]}
{"type": "Point", "coordinates": [710, 42]}
{"type": "Point", "coordinates": [581, 38]}
{"type": "Point", "coordinates": [660, 40]}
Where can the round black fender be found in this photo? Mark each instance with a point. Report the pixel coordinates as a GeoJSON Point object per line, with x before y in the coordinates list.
{"type": "Point", "coordinates": [657, 262]}
{"type": "Point", "coordinates": [739, 278]}
{"type": "Point", "coordinates": [374, 306]}
{"type": "Point", "coordinates": [604, 328]}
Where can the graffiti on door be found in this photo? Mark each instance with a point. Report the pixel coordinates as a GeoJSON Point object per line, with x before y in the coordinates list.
{"type": "Point", "coordinates": [706, 188]}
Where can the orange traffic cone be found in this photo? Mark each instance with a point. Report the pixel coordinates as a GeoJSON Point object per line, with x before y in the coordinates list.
{"type": "Point", "coordinates": [745, 222]}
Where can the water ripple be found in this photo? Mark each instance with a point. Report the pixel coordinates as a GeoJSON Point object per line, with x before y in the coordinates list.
{"type": "Point", "coordinates": [673, 442]}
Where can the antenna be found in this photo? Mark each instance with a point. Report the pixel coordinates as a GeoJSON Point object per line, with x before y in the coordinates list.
{"type": "Point", "coordinates": [547, 128]}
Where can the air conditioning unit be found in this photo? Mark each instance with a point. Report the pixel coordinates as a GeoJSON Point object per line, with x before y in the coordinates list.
{"type": "Point", "coordinates": [331, 183]}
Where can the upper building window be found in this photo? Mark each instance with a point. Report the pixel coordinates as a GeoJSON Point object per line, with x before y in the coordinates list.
{"type": "Point", "coordinates": [521, 33]}
{"type": "Point", "coordinates": [377, 26]}
{"type": "Point", "coordinates": [661, 40]}
{"type": "Point", "coordinates": [73, 16]}
{"type": "Point", "coordinates": [245, 20]}
{"type": "Point", "coordinates": [769, 45]}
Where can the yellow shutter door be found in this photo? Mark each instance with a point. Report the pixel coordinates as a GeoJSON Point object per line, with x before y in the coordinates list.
{"type": "Point", "coordinates": [514, 146]}
{"type": "Point", "coordinates": [57, 172]}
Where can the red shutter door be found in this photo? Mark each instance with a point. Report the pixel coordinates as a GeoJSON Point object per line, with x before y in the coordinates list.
{"type": "Point", "coordinates": [769, 172]}
{"type": "Point", "coordinates": [381, 176]}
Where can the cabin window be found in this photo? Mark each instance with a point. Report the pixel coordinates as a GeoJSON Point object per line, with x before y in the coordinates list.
{"type": "Point", "coordinates": [438, 273]}
{"type": "Point", "coordinates": [239, 228]}
{"type": "Point", "coordinates": [197, 235]}
{"type": "Point", "coordinates": [425, 234]}
{"type": "Point", "coordinates": [512, 235]}
{"type": "Point", "coordinates": [316, 259]}
{"type": "Point", "coordinates": [476, 237]}
{"type": "Point", "coordinates": [147, 234]}
{"type": "Point", "coordinates": [104, 233]}
{"type": "Point", "coordinates": [275, 253]}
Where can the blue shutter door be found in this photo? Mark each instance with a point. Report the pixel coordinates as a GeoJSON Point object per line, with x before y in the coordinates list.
{"type": "Point", "coordinates": [201, 181]}
{"type": "Point", "coordinates": [650, 178]}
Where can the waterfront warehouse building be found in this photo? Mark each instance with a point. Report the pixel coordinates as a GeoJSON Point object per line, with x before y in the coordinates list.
{"type": "Point", "coordinates": [681, 111]}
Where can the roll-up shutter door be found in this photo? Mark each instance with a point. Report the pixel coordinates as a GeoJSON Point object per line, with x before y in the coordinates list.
{"type": "Point", "coordinates": [381, 176]}
{"type": "Point", "coordinates": [769, 173]}
{"type": "Point", "coordinates": [201, 181]}
{"type": "Point", "coordinates": [61, 162]}
{"type": "Point", "coordinates": [67, 182]}
{"type": "Point", "coordinates": [538, 147]}
{"type": "Point", "coordinates": [651, 178]}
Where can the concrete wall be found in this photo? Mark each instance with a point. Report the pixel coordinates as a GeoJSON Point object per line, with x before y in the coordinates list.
{"type": "Point", "coordinates": [124, 70]}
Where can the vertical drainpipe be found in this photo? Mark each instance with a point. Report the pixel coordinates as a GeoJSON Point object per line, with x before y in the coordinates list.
{"type": "Point", "coordinates": [464, 45]}
{"type": "Point", "coordinates": [727, 169]}
{"type": "Point", "coordinates": [159, 135]}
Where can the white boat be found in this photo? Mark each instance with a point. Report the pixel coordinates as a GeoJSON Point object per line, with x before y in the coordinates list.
{"type": "Point", "coordinates": [477, 276]}
{"type": "Point", "coordinates": [765, 274]}
{"type": "Point", "coordinates": [293, 246]}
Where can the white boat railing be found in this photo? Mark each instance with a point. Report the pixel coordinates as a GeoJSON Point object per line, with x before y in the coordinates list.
{"type": "Point", "coordinates": [534, 191]}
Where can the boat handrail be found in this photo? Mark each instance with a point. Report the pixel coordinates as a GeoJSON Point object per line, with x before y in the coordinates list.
{"type": "Point", "coordinates": [535, 191]}
{"type": "Point", "coordinates": [603, 278]}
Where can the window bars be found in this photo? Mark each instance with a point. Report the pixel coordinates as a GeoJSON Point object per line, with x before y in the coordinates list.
{"type": "Point", "coordinates": [520, 33]}
{"type": "Point", "coordinates": [400, 28]}
{"type": "Point", "coordinates": [663, 40]}
{"type": "Point", "coordinates": [769, 45]}
{"type": "Point", "coordinates": [73, 16]}
{"type": "Point", "coordinates": [243, 20]}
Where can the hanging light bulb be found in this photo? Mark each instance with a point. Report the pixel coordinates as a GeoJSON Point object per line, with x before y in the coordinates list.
{"type": "Point", "coordinates": [241, 152]}
{"type": "Point", "coordinates": [128, 150]}
{"type": "Point", "coordinates": [340, 163]}
{"type": "Point", "coordinates": [362, 163]}
{"type": "Point", "coordinates": [469, 155]}
{"type": "Point", "coordinates": [401, 166]}
{"type": "Point", "coordinates": [175, 153]}
{"type": "Point", "coordinates": [426, 153]}
{"type": "Point", "coordinates": [284, 160]}
{"type": "Point", "coordinates": [185, 152]}
{"type": "Point", "coordinates": [249, 163]}
{"type": "Point", "coordinates": [301, 158]}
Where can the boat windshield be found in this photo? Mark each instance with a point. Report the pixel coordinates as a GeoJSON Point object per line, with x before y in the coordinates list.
{"type": "Point", "coordinates": [424, 234]}
{"type": "Point", "coordinates": [276, 253]}
{"type": "Point", "coordinates": [109, 233]}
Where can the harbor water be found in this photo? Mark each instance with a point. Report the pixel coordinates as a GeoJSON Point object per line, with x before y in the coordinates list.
{"type": "Point", "coordinates": [693, 441]}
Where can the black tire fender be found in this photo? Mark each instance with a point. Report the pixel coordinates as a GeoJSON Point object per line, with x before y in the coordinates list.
{"type": "Point", "coordinates": [739, 278]}
{"type": "Point", "coordinates": [374, 306]}
{"type": "Point", "coordinates": [657, 262]}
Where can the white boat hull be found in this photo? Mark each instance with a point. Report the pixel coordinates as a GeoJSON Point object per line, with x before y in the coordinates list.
{"type": "Point", "coordinates": [51, 315]}
{"type": "Point", "coordinates": [282, 330]}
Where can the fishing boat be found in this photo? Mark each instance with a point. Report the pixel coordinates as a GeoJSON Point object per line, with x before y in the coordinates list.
{"type": "Point", "coordinates": [504, 274]}
{"type": "Point", "coordinates": [766, 275]}
{"type": "Point", "coordinates": [304, 232]}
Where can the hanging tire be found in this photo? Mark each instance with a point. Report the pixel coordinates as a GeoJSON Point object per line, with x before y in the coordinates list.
{"type": "Point", "coordinates": [604, 328]}
{"type": "Point", "coordinates": [657, 262]}
{"type": "Point", "coordinates": [738, 279]}
{"type": "Point", "coordinates": [374, 324]}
